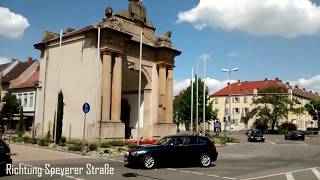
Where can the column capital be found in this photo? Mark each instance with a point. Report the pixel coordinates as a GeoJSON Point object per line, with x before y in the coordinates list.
{"type": "Point", "coordinates": [165, 65]}
{"type": "Point", "coordinates": [106, 52]}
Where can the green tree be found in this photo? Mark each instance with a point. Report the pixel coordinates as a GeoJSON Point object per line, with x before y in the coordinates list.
{"type": "Point", "coordinates": [10, 107]}
{"type": "Point", "coordinates": [313, 108]}
{"type": "Point", "coordinates": [21, 127]}
{"type": "Point", "coordinates": [182, 105]}
{"type": "Point", "coordinates": [59, 117]}
{"type": "Point", "coordinates": [273, 103]}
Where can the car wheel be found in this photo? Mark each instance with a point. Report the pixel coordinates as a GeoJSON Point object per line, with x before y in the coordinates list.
{"type": "Point", "coordinates": [148, 162]}
{"type": "Point", "coordinates": [205, 160]}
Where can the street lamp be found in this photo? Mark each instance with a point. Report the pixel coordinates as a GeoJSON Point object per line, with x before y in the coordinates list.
{"type": "Point", "coordinates": [229, 96]}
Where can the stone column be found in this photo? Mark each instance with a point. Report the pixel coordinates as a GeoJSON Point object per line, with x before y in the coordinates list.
{"type": "Point", "coordinates": [162, 94]}
{"type": "Point", "coordinates": [116, 90]}
{"type": "Point", "coordinates": [169, 96]}
{"type": "Point", "coordinates": [106, 85]}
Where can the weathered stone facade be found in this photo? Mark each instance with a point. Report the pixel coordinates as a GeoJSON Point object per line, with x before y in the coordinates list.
{"type": "Point", "coordinates": [110, 84]}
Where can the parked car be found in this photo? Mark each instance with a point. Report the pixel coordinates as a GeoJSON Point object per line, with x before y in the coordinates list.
{"type": "Point", "coordinates": [255, 135]}
{"type": "Point", "coordinates": [312, 131]}
{"type": "Point", "coordinates": [5, 157]}
{"type": "Point", "coordinates": [174, 149]}
{"type": "Point", "coordinates": [294, 135]}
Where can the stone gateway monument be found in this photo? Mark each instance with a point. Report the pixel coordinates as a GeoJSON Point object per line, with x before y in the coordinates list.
{"type": "Point", "coordinates": [107, 78]}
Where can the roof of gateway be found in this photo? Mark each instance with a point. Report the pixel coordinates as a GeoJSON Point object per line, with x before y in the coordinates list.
{"type": "Point", "coordinates": [247, 88]}
{"type": "Point", "coordinates": [30, 81]}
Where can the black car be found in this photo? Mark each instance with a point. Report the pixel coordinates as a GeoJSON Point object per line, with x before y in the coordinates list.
{"type": "Point", "coordinates": [5, 157]}
{"type": "Point", "coordinates": [174, 149]}
{"type": "Point", "coordinates": [312, 131]}
{"type": "Point", "coordinates": [255, 135]}
{"type": "Point", "coordinates": [294, 135]}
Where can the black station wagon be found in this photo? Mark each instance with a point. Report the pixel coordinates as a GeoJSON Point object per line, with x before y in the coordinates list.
{"type": "Point", "coordinates": [174, 149]}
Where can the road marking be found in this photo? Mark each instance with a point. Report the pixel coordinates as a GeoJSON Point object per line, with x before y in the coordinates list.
{"type": "Point", "coordinates": [302, 143]}
{"type": "Point", "coordinates": [284, 173]}
{"type": "Point", "coordinates": [185, 171]}
{"type": "Point", "coordinates": [229, 178]}
{"type": "Point", "coordinates": [116, 160]}
{"type": "Point", "coordinates": [270, 142]}
{"type": "Point", "coordinates": [171, 169]}
{"type": "Point", "coordinates": [289, 176]}
{"type": "Point", "coordinates": [316, 173]}
{"type": "Point", "coordinates": [67, 176]}
{"type": "Point", "coordinates": [198, 173]}
{"type": "Point", "coordinates": [212, 175]}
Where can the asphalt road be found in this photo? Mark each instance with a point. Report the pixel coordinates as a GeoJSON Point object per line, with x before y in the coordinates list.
{"type": "Point", "coordinates": [276, 159]}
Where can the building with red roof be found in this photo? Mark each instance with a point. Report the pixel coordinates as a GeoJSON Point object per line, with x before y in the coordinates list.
{"type": "Point", "coordinates": [242, 94]}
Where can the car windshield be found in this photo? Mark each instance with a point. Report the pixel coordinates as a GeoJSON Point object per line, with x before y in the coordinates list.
{"type": "Point", "coordinates": [164, 140]}
{"type": "Point", "coordinates": [257, 133]}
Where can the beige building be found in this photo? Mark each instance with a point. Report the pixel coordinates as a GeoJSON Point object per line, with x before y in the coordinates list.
{"type": "Point", "coordinates": [108, 81]}
{"type": "Point", "coordinates": [242, 94]}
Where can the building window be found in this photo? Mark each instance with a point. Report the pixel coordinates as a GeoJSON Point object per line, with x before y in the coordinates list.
{"type": "Point", "coordinates": [226, 111]}
{"type": "Point", "coordinates": [245, 99]}
{"type": "Point", "coordinates": [25, 100]}
{"type": "Point", "coordinates": [31, 99]}
{"type": "Point", "coordinates": [227, 100]}
{"type": "Point", "coordinates": [245, 112]}
{"type": "Point", "coordinates": [236, 110]}
{"type": "Point", "coordinates": [236, 99]}
{"type": "Point", "coordinates": [19, 97]}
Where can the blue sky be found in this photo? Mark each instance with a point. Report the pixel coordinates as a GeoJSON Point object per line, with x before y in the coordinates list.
{"type": "Point", "coordinates": [258, 53]}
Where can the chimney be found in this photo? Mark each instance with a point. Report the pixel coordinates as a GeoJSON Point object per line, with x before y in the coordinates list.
{"type": "Point", "coordinates": [38, 68]}
{"type": "Point", "coordinates": [266, 79]}
{"type": "Point", "coordinates": [239, 81]}
{"type": "Point", "coordinates": [228, 83]}
{"type": "Point", "coordinates": [310, 91]}
{"type": "Point", "coordinates": [30, 60]}
{"type": "Point", "coordinates": [304, 89]}
{"type": "Point", "coordinates": [317, 93]}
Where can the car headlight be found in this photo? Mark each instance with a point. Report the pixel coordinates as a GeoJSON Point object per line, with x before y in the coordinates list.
{"type": "Point", "coordinates": [136, 153]}
{"type": "Point", "coordinates": [252, 137]}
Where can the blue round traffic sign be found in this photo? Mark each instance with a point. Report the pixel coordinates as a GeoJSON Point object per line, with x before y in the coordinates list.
{"type": "Point", "coordinates": [86, 107]}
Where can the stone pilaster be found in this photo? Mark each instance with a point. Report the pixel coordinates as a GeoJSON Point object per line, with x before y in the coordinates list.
{"type": "Point", "coordinates": [116, 90]}
{"type": "Point", "coordinates": [162, 94]}
{"type": "Point", "coordinates": [169, 95]}
{"type": "Point", "coordinates": [106, 86]}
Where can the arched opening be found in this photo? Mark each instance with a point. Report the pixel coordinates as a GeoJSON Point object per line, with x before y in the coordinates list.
{"type": "Point", "coordinates": [129, 100]}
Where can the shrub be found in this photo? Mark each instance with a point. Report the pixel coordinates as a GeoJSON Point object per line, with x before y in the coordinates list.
{"type": "Point", "coordinates": [75, 141]}
{"type": "Point", "coordinates": [27, 139]}
{"type": "Point", "coordinates": [117, 143]}
{"type": "Point", "coordinates": [106, 151]}
{"type": "Point", "coordinates": [105, 145]}
{"type": "Point", "coordinates": [74, 147]}
{"type": "Point", "coordinates": [132, 145]}
{"type": "Point", "coordinates": [120, 149]}
{"type": "Point", "coordinates": [63, 141]}
{"type": "Point", "coordinates": [93, 147]}
{"type": "Point", "coordinates": [43, 142]}
{"type": "Point", "coordinates": [287, 126]}
{"type": "Point", "coordinates": [17, 139]}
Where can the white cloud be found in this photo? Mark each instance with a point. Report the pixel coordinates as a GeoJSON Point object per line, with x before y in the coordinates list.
{"type": "Point", "coordinates": [12, 25]}
{"type": "Point", "coordinates": [286, 18]}
{"type": "Point", "coordinates": [4, 60]}
{"type": "Point", "coordinates": [310, 84]}
{"type": "Point", "coordinates": [232, 54]}
{"type": "Point", "coordinates": [213, 84]}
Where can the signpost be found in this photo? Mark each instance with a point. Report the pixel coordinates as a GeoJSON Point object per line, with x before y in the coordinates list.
{"type": "Point", "coordinates": [85, 109]}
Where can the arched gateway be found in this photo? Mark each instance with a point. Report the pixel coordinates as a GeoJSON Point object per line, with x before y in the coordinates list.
{"type": "Point", "coordinates": [109, 84]}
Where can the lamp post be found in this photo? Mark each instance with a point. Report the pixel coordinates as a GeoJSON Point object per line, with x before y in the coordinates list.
{"type": "Point", "coordinates": [229, 96]}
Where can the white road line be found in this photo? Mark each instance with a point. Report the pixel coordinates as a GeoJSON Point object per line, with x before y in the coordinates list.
{"type": "Point", "coordinates": [67, 176]}
{"type": "Point", "coordinates": [289, 176]}
{"type": "Point", "coordinates": [185, 171]}
{"type": "Point", "coordinates": [229, 178]}
{"type": "Point", "coordinates": [171, 169]}
{"type": "Point", "coordinates": [270, 142]}
{"type": "Point", "coordinates": [212, 175]}
{"type": "Point", "coordinates": [198, 173]}
{"type": "Point", "coordinates": [316, 173]}
{"type": "Point", "coordinates": [116, 160]}
{"type": "Point", "coordinates": [271, 175]}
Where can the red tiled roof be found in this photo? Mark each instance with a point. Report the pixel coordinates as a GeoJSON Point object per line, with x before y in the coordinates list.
{"type": "Point", "coordinates": [17, 70]}
{"type": "Point", "coordinates": [30, 81]}
{"type": "Point", "coordinates": [247, 88]}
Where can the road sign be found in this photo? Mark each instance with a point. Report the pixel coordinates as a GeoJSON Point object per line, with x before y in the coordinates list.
{"type": "Point", "coordinates": [86, 107]}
